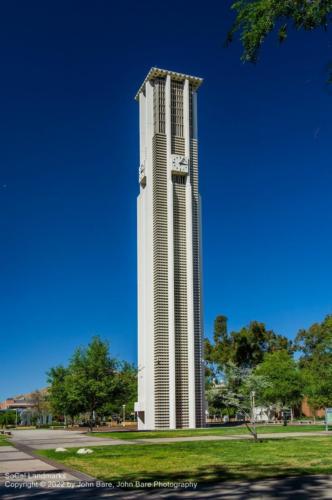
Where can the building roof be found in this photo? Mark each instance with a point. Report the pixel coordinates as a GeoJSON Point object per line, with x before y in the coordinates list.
{"type": "Point", "coordinates": [157, 72]}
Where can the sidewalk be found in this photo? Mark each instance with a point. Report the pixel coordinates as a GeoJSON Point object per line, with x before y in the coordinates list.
{"type": "Point", "coordinates": [45, 439]}
{"type": "Point", "coordinates": [21, 467]}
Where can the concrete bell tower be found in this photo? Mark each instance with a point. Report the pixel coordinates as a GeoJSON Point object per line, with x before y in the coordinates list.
{"type": "Point", "coordinates": [170, 331]}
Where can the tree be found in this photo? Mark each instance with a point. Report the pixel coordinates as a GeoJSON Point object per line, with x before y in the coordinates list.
{"type": "Point", "coordinates": [315, 342]}
{"type": "Point", "coordinates": [315, 345]}
{"type": "Point", "coordinates": [92, 374]}
{"type": "Point", "coordinates": [318, 383]}
{"type": "Point", "coordinates": [7, 417]}
{"type": "Point", "coordinates": [40, 405]}
{"type": "Point", "coordinates": [126, 390]}
{"type": "Point", "coordinates": [241, 388]}
{"type": "Point", "coordinates": [285, 382]}
{"type": "Point", "coordinates": [93, 383]}
{"type": "Point", "coordinates": [245, 348]}
{"type": "Point", "coordinates": [63, 401]}
{"type": "Point", "coordinates": [256, 19]}
{"type": "Point", "coordinates": [216, 354]}
{"type": "Point", "coordinates": [215, 396]}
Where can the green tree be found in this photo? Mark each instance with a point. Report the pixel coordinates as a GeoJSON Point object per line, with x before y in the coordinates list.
{"type": "Point", "coordinates": [93, 383]}
{"type": "Point", "coordinates": [318, 383]}
{"type": "Point", "coordinates": [7, 417]}
{"type": "Point", "coordinates": [126, 391]}
{"type": "Point", "coordinates": [93, 377]}
{"type": "Point", "coordinates": [315, 346]}
{"type": "Point", "coordinates": [316, 342]}
{"type": "Point", "coordinates": [256, 19]}
{"type": "Point", "coordinates": [245, 348]}
{"type": "Point", "coordinates": [63, 401]}
{"type": "Point", "coordinates": [240, 392]}
{"type": "Point", "coordinates": [285, 382]}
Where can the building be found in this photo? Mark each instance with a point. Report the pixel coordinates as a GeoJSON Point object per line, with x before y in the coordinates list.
{"type": "Point", "coordinates": [29, 407]}
{"type": "Point", "coordinates": [170, 377]}
{"type": "Point", "coordinates": [21, 402]}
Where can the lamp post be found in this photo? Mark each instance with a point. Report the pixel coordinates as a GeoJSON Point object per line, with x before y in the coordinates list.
{"type": "Point", "coordinates": [123, 415]}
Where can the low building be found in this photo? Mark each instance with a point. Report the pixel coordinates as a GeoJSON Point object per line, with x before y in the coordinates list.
{"type": "Point", "coordinates": [30, 407]}
{"type": "Point", "coordinates": [16, 403]}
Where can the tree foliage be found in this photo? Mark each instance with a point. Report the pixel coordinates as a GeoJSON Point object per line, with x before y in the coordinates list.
{"type": "Point", "coordinates": [240, 384]}
{"type": "Point", "coordinates": [92, 374]}
{"type": "Point", "coordinates": [256, 19]}
{"type": "Point", "coordinates": [92, 381]}
{"type": "Point", "coordinates": [126, 391]}
{"type": "Point", "coordinates": [318, 383]}
{"type": "Point", "coordinates": [315, 342]}
{"type": "Point", "coordinates": [315, 346]}
{"type": "Point", "coordinates": [245, 348]}
{"type": "Point", "coordinates": [40, 406]}
{"type": "Point", "coordinates": [285, 381]}
{"type": "Point", "coordinates": [232, 357]}
{"type": "Point", "coordinates": [8, 417]}
{"type": "Point", "coordinates": [64, 401]}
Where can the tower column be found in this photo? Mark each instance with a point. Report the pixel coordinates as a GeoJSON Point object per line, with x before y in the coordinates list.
{"type": "Point", "coordinates": [147, 207]}
{"type": "Point", "coordinates": [190, 267]}
{"type": "Point", "coordinates": [170, 252]}
{"type": "Point", "coordinates": [169, 309]}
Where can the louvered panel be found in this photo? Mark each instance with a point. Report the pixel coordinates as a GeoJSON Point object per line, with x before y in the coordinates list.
{"type": "Point", "coordinates": [160, 281]}
{"type": "Point", "coordinates": [180, 302]}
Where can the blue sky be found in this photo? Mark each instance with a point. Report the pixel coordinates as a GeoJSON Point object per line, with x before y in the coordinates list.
{"type": "Point", "coordinates": [69, 163]}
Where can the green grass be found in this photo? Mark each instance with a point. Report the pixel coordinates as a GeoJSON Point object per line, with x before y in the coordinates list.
{"type": "Point", "coordinates": [4, 441]}
{"type": "Point", "coordinates": [217, 431]}
{"type": "Point", "coordinates": [204, 461]}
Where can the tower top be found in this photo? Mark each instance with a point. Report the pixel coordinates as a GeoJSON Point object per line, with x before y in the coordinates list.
{"type": "Point", "coordinates": [157, 72]}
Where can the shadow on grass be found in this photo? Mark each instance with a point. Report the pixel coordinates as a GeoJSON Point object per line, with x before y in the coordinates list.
{"type": "Point", "coordinates": [215, 473]}
{"type": "Point", "coordinates": [305, 487]}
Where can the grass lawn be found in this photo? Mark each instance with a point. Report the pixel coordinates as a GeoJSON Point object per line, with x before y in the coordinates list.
{"type": "Point", "coordinates": [217, 431]}
{"type": "Point", "coordinates": [203, 461]}
{"type": "Point", "coordinates": [4, 441]}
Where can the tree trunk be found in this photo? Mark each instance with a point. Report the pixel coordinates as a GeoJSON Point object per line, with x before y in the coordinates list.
{"type": "Point", "coordinates": [91, 422]}
{"type": "Point", "coordinates": [252, 431]}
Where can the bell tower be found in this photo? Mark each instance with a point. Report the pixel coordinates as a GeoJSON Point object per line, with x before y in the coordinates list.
{"type": "Point", "coordinates": [170, 331]}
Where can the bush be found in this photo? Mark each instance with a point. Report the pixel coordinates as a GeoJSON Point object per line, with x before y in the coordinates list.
{"type": "Point", "coordinates": [8, 418]}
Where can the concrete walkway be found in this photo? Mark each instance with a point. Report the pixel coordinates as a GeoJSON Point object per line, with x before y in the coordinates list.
{"type": "Point", "coordinates": [18, 469]}
{"type": "Point", "coordinates": [43, 439]}
{"type": "Point", "coordinates": [21, 467]}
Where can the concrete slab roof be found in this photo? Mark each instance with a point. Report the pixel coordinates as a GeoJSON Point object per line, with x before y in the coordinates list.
{"type": "Point", "coordinates": [157, 72]}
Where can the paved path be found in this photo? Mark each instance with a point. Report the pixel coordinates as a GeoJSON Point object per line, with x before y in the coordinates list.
{"type": "Point", "coordinates": [18, 469]}
{"type": "Point", "coordinates": [18, 464]}
{"type": "Point", "coordinates": [43, 439]}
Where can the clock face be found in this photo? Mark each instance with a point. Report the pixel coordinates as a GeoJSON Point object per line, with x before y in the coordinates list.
{"type": "Point", "coordinates": [180, 164]}
{"type": "Point", "coordinates": [142, 175]}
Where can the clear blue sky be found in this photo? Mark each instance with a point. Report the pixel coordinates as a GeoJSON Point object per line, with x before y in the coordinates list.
{"type": "Point", "coordinates": [69, 163]}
